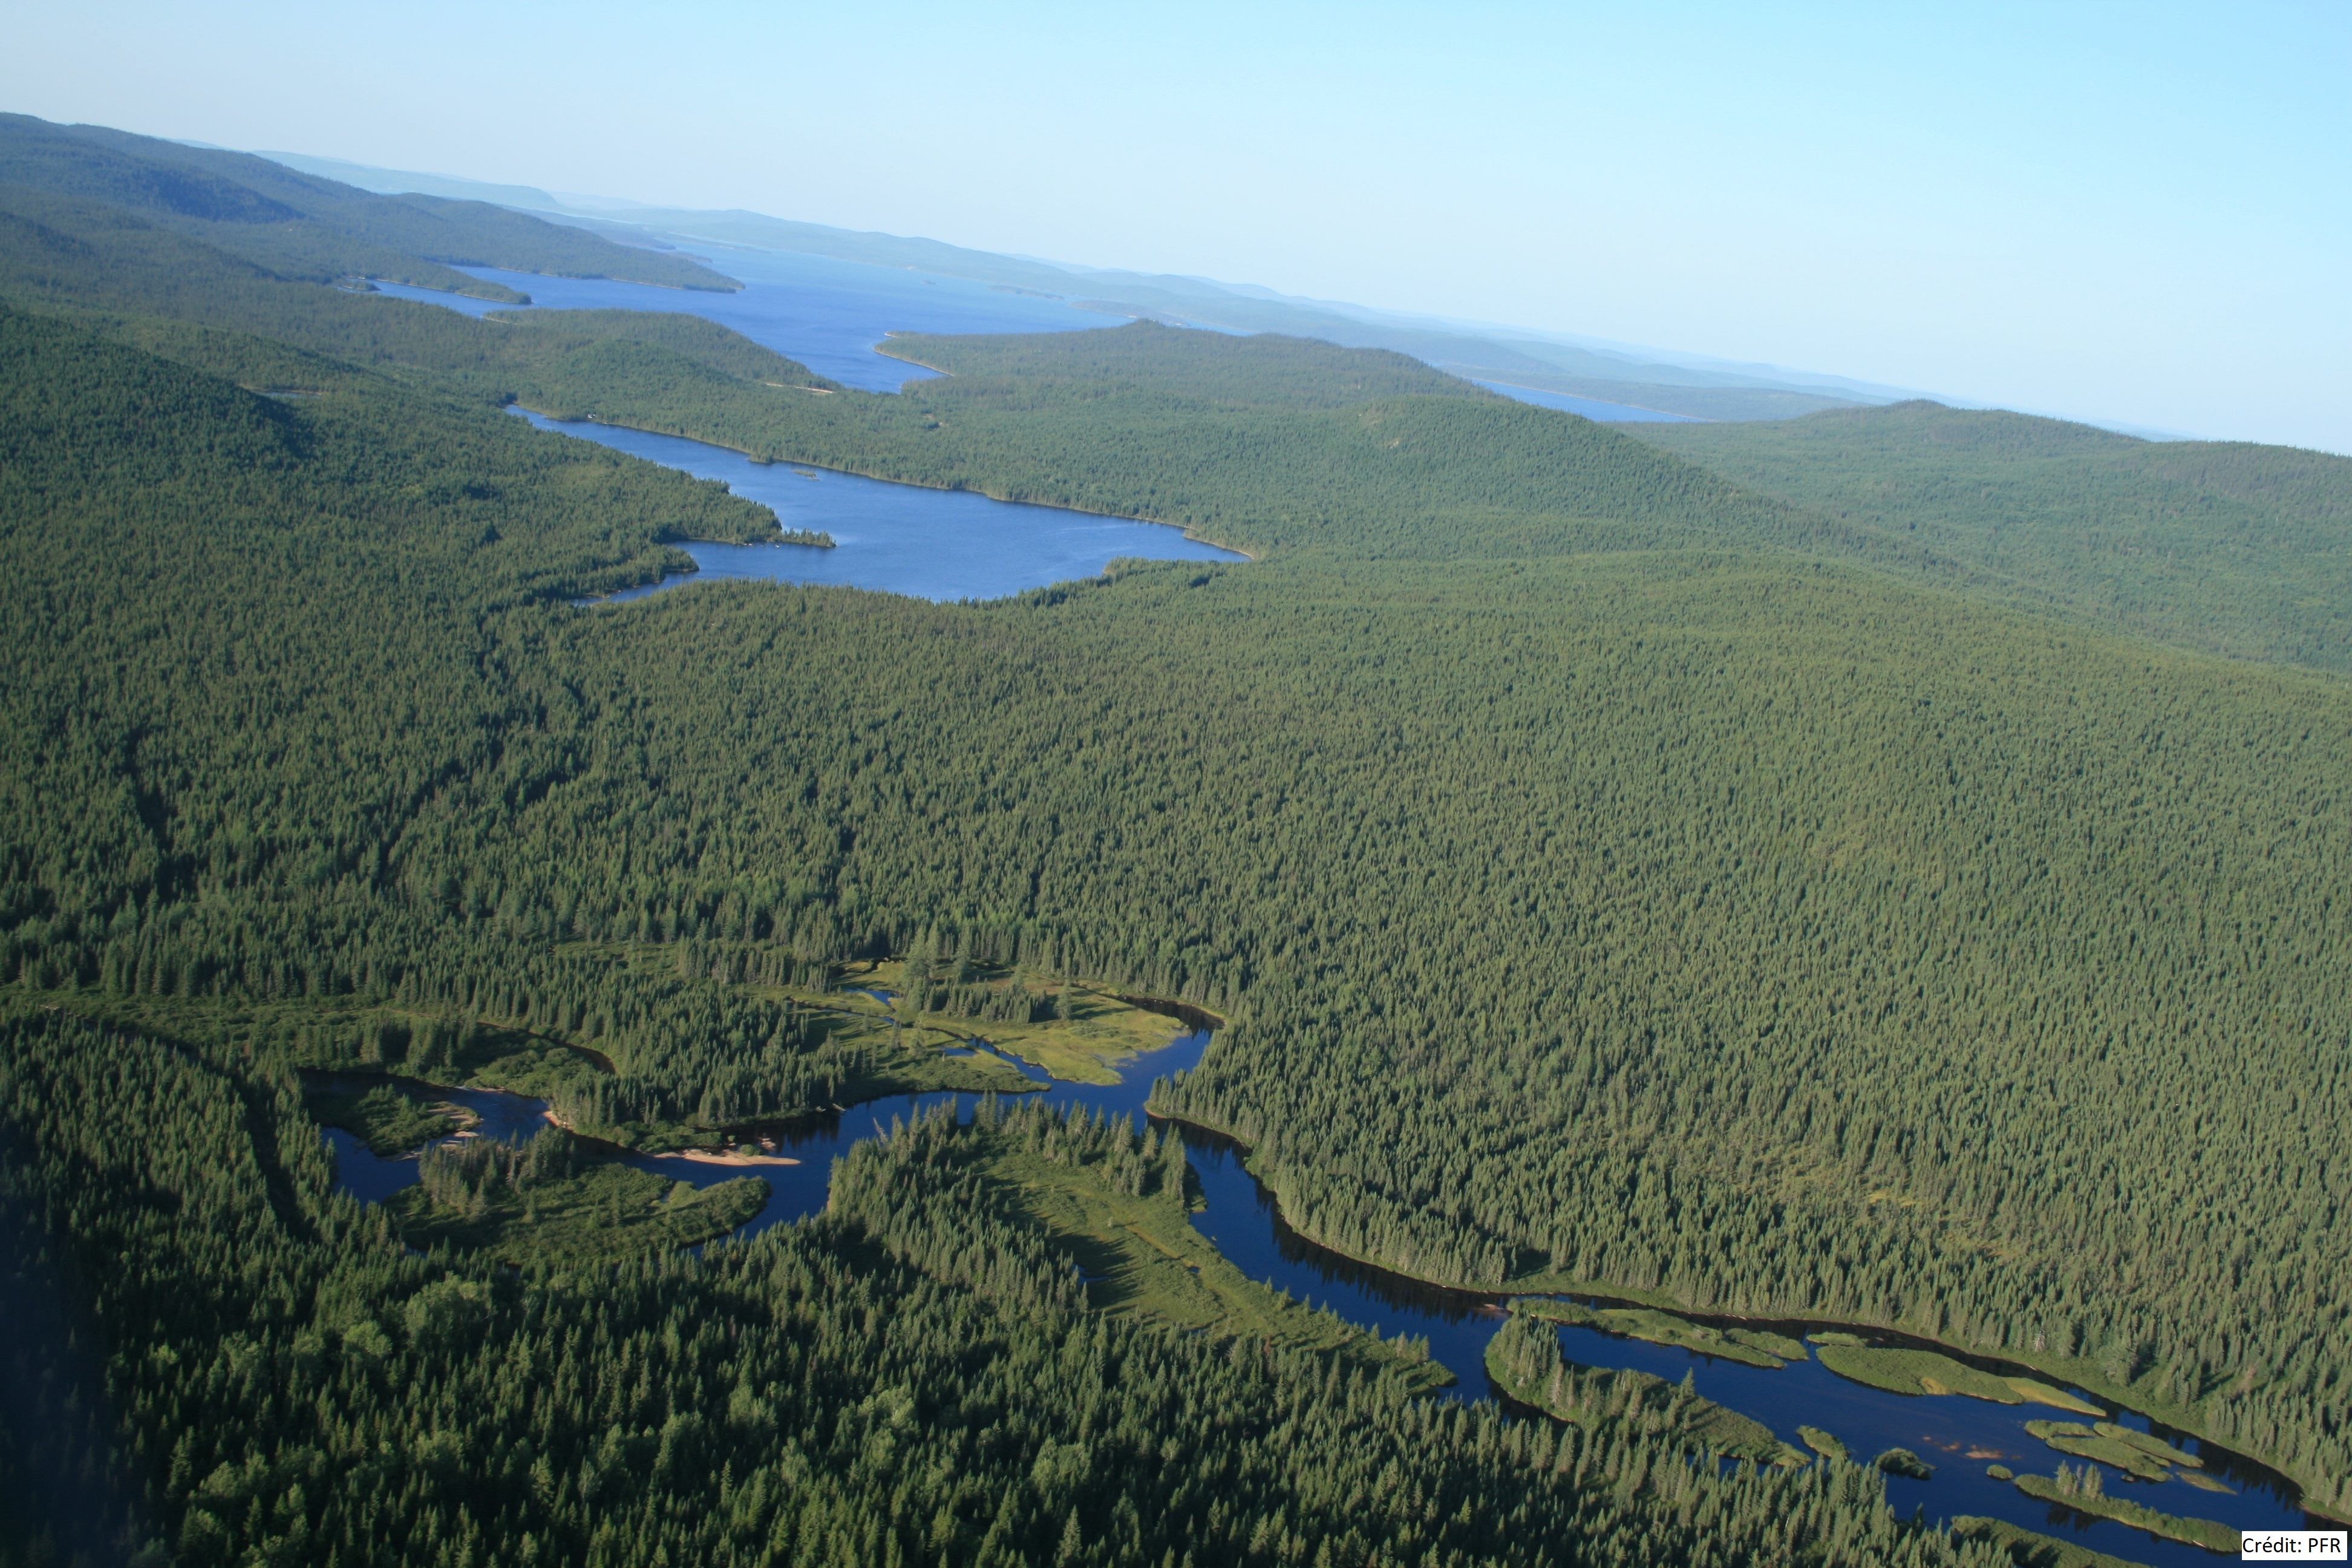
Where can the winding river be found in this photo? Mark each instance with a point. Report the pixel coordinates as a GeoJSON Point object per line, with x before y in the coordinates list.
{"type": "Point", "coordinates": [1959, 1436]}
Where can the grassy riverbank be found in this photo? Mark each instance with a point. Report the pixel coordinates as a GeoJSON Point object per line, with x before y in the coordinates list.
{"type": "Point", "coordinates": [1524, 1359]}
{"type": "Point", "coordinates": [1081, 1031]}
{"type": "Point", "coordinates": [1752, 1347]}
{"type": "Point", "coordinates": [550, 1203]}
{"type": "Point", "coordinates": [1901, 1370]}
{"type": "Point", "coordinates": [2028, 1549]}
{"type": "Point", "coordinates": [2205, 1532]}
{"type": "Point", "coordinates": [1111, 1204]}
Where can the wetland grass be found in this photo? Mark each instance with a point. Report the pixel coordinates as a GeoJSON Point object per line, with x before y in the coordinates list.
{"type": "Point", "coordinates": [1750, 1347]}
{"type": "Point", "coordinates": [1903, 1370]}
{"type": "Point", "coordinates": [2084, 1492]}
{"type": "Point", "coordinates": [384, 1118]}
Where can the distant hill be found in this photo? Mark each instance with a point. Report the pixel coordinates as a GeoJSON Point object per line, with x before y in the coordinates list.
{"type": "Point", "coordinates": [303, 226]}
{"type": "Point", "coordinates": [2229, 546]}
{"type": "Point", "coordinates": [1514, 356]}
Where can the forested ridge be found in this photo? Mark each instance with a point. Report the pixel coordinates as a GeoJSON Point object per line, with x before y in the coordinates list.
{"type": "Point", "coordinates": [302, 227]}
{"type": "Point", "coordinates": [1611, 875]}
{"type": "Point", "coordinates": [2237, 548]}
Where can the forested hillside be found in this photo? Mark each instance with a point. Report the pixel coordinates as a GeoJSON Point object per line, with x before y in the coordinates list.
{"type": "Point", "coordinates": [293, 1383]}
{"type": "Point", "coordinates": [1611, 874]}
{"type": "Point", "coordinates": [301, 226]}
{"type": "Point", "coordinates": [116, 268]}
{"type": "Point", "coordinates": [2229, 546]}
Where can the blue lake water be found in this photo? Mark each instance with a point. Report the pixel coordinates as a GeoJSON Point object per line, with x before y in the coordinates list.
{"type": "Point", "coordinates": [828, 314]}
{"type": "Point", "coordinates": [897, 539]}
{"type": "Point", "coordinates": [1607, 413]}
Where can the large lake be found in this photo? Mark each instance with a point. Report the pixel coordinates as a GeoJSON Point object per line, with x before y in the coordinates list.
{"type": "Point", "coordinates": [895, 539]}
{"type": "Point", "coordinates": [829, 314]}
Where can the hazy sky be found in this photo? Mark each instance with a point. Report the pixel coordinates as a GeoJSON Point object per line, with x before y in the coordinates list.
{"type": "Point", "coordinates": [2139, 213]}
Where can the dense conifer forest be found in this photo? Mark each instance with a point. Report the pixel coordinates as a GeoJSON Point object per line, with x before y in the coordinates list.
{"type": "Point", "coordinates": [1609, 874]}
{"type": "Point", "coordinates": [2226, 545]}
{"type": "Point", "coordinates": [844, 1392]}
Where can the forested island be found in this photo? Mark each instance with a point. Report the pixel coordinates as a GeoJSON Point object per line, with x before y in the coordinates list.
{"type": "Point", "coordinates": [1632, 867]}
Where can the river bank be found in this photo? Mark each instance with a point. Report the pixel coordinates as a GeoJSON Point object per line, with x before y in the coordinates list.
{"type": "Point", "coordinates": [1965, 1435]}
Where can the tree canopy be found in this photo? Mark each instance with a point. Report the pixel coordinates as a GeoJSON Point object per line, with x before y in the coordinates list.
{"type": "Point", "coordinates": [1611, 875]}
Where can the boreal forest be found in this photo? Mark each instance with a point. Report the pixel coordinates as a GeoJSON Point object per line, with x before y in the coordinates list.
{"type": "Point", "coordinates": [1884, 870]}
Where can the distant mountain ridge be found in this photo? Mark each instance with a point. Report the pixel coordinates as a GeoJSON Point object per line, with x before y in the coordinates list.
{"type": "Point", "coordinates": [1683, 384]}
{"type": "Point", "coordinates": [303, 226]}
{"type": "Point", "coordinates": [2232, 547]}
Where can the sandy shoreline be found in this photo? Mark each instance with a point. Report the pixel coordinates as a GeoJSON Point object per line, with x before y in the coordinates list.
{"type": "Point", "coordinates": [713, 1157]}
{"type": "Point", "coordinates": [699, 1156]}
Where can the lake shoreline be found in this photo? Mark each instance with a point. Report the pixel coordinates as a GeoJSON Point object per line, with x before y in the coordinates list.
{"type": "Point", "coordinates": [1183, 528]}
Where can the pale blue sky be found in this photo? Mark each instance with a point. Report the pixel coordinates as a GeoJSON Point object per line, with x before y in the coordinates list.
{"type": "Point", "coordinates": [2134, 212]}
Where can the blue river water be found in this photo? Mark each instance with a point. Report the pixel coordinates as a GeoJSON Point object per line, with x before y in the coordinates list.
{"type": "Point", "coordinates": [1960, 1437]}
{"type": "Point", "coordinates": [897, 539]}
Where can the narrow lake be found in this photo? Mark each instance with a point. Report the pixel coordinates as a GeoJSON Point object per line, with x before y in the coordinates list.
{"type": "Point", "coordinates": [897, 539]}
{"type": "Point", "coordinates": [828, 314]}
{"type": "Point", "coordinates": [1959, 1436]}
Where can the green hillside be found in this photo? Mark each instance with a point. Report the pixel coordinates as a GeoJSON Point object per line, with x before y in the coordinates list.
{"type": "Point", "coordinates": [1695, 401]}
{"type": "Point", "coordinates": [1495, 354]}
{"type": "Point", "coordinates": [302, 227]}
{"type": "Point", "coordinates": [217, 311]}
{"type": "Point", "coordinates": [2235, 548]}
{"type": "Point", "coordinates": [277, 641]}
{"type": "Point", "coordinates": [1612, 875]}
